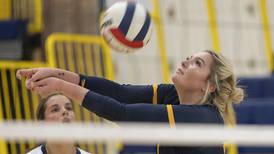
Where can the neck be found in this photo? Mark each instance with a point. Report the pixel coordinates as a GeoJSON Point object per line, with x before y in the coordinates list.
{"type": "Point", "coordinates": [190, 98]}
{"type": "Point", "coordinates": [57, 148]}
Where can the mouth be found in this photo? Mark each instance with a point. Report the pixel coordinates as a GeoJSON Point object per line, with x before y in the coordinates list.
{"type": "Point", "coordinates": [180, 71]}
{"type": "Point", "coordinates": [66, 120]}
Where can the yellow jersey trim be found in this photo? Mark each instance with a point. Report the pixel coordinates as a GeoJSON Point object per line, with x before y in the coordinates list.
{"type": "Point", "coordinates": [170, 115]}
{"type": "Point", "coordinates": [158, 149]}
{"type": "Point", "coordinates": [154, 98]}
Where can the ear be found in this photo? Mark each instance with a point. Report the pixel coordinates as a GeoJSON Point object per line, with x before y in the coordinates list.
{"type": "Point", "coordinates": [212, 87]}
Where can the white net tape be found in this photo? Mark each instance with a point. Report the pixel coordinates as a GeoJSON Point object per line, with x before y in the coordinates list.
{"type": "Point", "coordinates": [140, 133]}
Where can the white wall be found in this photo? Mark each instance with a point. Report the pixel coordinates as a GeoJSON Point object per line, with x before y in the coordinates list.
{"type": "Point", "coordinates": [186, 31]}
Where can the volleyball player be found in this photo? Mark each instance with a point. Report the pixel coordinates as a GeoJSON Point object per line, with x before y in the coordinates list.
{"type": "Point", "coordinates": [203, 92]}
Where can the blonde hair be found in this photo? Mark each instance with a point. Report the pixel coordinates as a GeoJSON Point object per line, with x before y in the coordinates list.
{"type": "Point", "coordinates": [227, 92]}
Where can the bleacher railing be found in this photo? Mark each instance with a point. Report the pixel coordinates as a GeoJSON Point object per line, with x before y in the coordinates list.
{"type": "Point", "coordinates": [17, 103]}
{"type": "Point", "coordinates": [83, 54]}
{"type": "Point", "coordinates": [79, 53]}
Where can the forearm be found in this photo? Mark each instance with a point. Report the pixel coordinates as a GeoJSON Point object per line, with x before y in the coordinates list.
{"type": "Point", "coordinates": [123, 93]}
{"type": "Point", "coordinates": [73, 91]}
{"type": "Point", "coordinates": [103, 106]}
{"type": "Point", "coordinates": [114, 110]}
{"type": "Point", "coordinates": [67, 76]}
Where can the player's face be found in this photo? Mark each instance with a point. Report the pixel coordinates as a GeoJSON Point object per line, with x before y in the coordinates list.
{"type": "Point", "coordinates": [193, 72]}
{"type": "Point", "coordinates": [59, 109]}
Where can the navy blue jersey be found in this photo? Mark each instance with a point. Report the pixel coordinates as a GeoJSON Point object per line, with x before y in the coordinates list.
{"type": "Point", "coordinates": [148, 103]}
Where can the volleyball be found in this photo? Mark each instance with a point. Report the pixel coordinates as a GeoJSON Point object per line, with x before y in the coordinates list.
{"type": "Point", "coordinates": [126, 26]}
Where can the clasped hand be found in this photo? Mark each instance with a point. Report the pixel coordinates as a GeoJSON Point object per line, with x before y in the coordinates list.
{"type": "Point", "coordinates": [41, 81]}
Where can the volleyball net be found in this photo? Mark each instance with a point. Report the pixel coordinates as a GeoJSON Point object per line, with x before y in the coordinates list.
{"type": "Point", "coordinates": [138, 133]}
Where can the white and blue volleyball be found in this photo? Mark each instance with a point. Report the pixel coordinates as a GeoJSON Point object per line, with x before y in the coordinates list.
{"type": "Point", "coordinates": [126, 26]}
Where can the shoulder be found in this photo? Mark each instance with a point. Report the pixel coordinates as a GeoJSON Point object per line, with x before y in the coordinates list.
{"type": "Point", "coordinates": [168, 94]}
{"type": "Point", "coordinates": [82, 151]}
{"type": "Point", "coordinates": [166, 87]}
{"type": "Point", "coordinates": [36, 150]}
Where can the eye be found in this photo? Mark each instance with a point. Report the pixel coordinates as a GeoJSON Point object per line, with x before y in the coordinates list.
{"type": "Point", "coordinates": [69, 108]}
{"type": "Point", "coordinates": [199, 63]}
{"type": "Point", "coordinates": [56, 109]}
{"type": "Point", "coordinates": [187, 58]}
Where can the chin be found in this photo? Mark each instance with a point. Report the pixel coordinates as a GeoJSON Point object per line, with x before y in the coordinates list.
{"type": "Point", "coordinates": [175, 78]}
{"type": "Point", "coordinates": [66, 120]}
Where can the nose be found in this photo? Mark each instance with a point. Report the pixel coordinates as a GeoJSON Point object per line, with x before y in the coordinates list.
{"type": "Point", "coordinates": [185, 63]}
{"type": "Point", "coordinates": [65, 112]}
